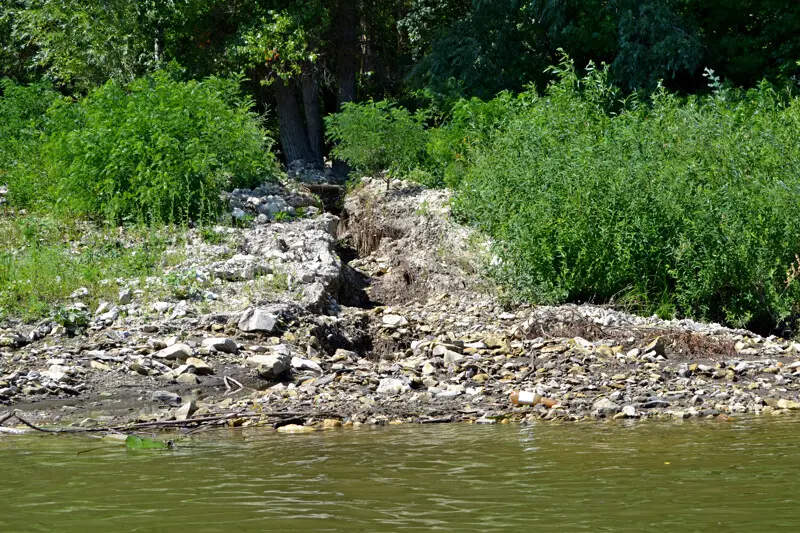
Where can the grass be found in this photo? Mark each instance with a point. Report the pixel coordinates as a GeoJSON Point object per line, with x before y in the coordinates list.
{"type": "Point", "coordinates": [44, 260]}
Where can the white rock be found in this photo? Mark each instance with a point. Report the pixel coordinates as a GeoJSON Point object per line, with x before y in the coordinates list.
{"type": "Point", "coordinates": [258, 320]}
{"type": "Point", "coordinates": [299, 363]}
{"type": "Point", "coordinates": [604, 407]}
{"type": "Point", "coordinates": [221, 344]}
{"type": "Point", "coordinates": [125, 296]}
{"type": "Point", "coordinates": [392, 386]}
{"type": "Point", "coordinates": [109, 316]}
{"type": "Point", "coordinates": [200, 366]}
{"type": "Point", "coordinates": [185, 411]}
{"type": "Point", "coordinates": [177, 351]}
{"type": "Point", "coordinates": [271, 366]}
{"type": "Point", "coordinates": [394, 321]}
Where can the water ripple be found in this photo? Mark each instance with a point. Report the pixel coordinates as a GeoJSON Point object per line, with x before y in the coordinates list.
{"type": "Point", "coordinates": [737, 477]}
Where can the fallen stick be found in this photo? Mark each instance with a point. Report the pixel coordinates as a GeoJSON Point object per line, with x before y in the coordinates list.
{"type": "Point", "coordinates": [6, 416]}
{"type": "Point", "coordinates": [442, 420]}
{"type": "Point", "coordinates": [169, 423]}
{"type": "Point", "coordinates": [230, 390]}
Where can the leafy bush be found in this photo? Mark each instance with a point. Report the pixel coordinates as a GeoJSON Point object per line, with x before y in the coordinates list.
{"type": "Point", "coordinates": [377, 136]}
{"type": "Point", "coordinates": [689, 207]}
{"type": "Point", "coordinates": [158, 150]}
{"type": "Point", "coordinates": [467, 130]}
{"type": "Point", "coordinates": [22, 130]}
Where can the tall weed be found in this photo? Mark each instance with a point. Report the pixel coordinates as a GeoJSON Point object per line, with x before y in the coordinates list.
{"type": "Point", "coordinates": [22, 131]}
{"type": "Point", "coordinates": [376, 136]}
{"type": "Point", "coordinates": [688, 206]}
{"type": "Point", "coordinates": [158, 150]}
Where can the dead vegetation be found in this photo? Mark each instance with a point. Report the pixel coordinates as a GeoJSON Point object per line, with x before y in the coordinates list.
{"type": "Point", "coordinates": [678, 344]}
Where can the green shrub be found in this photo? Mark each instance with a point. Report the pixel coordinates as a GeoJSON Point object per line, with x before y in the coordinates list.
{"type": "Point", "coordinates": [22, 131]}
{"type": "Point", "coordinates": [158, 150]}
{"type": "Point", "coordinates": [376, 136]}
{"type": "Point", "coordinates": [469, 126]}
{"type": "Point", "coordinates": [687, 207]}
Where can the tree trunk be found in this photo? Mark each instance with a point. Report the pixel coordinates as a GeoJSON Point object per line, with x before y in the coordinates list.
{"type": "Point", "coordinates": [313, 111]}
{"type": "Point", "coordinates": [292, 128]}
{"type": "Point", "coordinates": [347, 48]}
{"type": "Point", "coordinates": [347, 62]}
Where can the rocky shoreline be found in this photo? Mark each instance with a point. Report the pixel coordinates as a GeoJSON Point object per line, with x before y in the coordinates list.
{"type": "Point", "coordinates": [375, 315]}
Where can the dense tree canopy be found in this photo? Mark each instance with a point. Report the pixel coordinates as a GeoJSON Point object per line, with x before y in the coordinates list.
{"type": "Point", "coordinates": [304, 59]}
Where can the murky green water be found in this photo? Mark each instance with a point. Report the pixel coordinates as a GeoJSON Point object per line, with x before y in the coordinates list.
{"type": "Point", "coordinates": [742, 476]}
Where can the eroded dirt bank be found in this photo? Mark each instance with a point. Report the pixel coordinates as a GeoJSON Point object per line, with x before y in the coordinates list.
{"type": "Point", "coordinates": [378, 315]}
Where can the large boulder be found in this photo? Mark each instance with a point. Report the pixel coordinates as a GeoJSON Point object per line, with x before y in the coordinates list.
{"type": "Point", "coordinates": [604, 408]}
{"type": "Point", "coordinates": [258, 320]}
{"type": "Point", "coordinates": [271, 366]}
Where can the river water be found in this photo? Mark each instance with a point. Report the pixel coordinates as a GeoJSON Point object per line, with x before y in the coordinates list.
{"type": "Point", "coordinates": [741, 476]}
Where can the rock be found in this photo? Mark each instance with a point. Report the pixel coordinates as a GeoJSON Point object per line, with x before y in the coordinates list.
{"type": "Point", "coordinates": [299, 363]}
{"type": "Point", "coordinates": [330, 423]}
{"type": "Point", "coordinates": [604, 408]}
{"type": "Point", "coordinates": [221, 344]}
{"type": "Point", "coordinates": [295, 428]}
{"type": "Point", "coordinates": [452, 358]}
{"type": "Point", "coordinates": [14, 341]}
{"type": "Point", "coordinates": [792, 405]}
{"type": "Point", "coordinates": [125, 296]}
{"type": "Point", "coordinates": [109, 316]}
{"type": "Point", "coordinates": [167, 397]}
{"type": "Point", "coordinates": [57, 376]}
{"type": "Point", "coordinates": [200, 367]}
{"type": "Point", "coordinates": [97, 365]}
{"type": "Point", "coordinates": [344, 355]}
{"type": "Point", "coordinates": [271, 366]}
{"type": "Point", "coordinates": [629, 411]}
{"type": "Point", "coordinates": [655, 404]}
{"type": "Point", "coordinates": [176, 352]}
{"type": "Point", "coordinates": [657, 345]}
{"type": "Point", "coordinates": [162, 307]}
{"type": "Point", "coordinates": [79, 293]}
{"type": "Point", "coordinates": [258, 320]}
{"type": "Point", "coordinates": [394, 321]}
{"type": "Point", "coordinates": [89, 423]}
{"type": "Point", "coordinates": [186, 410]}
{"type": "Point", "coordinates": [392, 386]}
{"type": "Point", "coordinates": [188, 379]}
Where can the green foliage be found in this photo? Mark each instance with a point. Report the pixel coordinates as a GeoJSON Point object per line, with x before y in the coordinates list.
{"type": "Point", "coordinates": [491, 47]}
{"type": "Point", "coordinates": [683, 206]}
{"type": "Point", "coordinates": [655, 43]}
{"type": "Point", "coordinates": [45, 259]}
{"type": "Point", "coordinates": [72, 319]}
{"type": "Point", "coordinates": [132, 442]}
{"type": "Point", "coordinates": [281, 39]}
{"type": "Point", "coordinates": [157, 150]}
{"type": "Point", "coordinates": [211, 236]}
{"type": "Point", "coordinates": [83, 43]}
{"type": "Point", "coordinates": [451, 147]}
{"type": "Point", "coordinates": [22, 130]}
{"type": "Point", "coordinates": [377, 136]}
